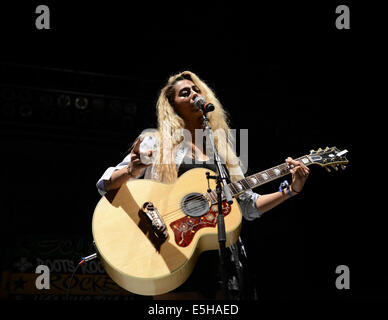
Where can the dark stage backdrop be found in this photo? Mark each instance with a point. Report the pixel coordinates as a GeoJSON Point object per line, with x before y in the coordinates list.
{"type": "Point", "coordinates": [74, 97]}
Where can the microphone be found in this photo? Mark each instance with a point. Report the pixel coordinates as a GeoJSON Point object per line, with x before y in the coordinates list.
{"type": "Point", "coordinates": [200, 103]}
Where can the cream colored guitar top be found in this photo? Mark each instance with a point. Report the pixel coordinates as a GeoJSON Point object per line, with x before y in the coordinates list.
{"type": "Point", "coordinates": [138, 260]}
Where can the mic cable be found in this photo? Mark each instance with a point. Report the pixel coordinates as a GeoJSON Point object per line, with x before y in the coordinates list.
{"type": "Point", "coordinates": [83, 260]}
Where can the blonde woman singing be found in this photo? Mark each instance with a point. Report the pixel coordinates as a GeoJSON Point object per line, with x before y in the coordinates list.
{"type": "Point", "coordinates": [175, 147]}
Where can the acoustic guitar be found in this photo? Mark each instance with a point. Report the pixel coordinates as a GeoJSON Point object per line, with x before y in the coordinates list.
{"type": "Point", "coordinates": [149, 234]}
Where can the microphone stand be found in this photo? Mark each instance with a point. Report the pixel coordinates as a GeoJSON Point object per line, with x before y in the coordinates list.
{"type": "Point", "coordinates": [222, 185]}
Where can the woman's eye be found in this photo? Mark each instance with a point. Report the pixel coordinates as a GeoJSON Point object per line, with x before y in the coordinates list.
{"type": "Point", "coordinates": [186, 93]}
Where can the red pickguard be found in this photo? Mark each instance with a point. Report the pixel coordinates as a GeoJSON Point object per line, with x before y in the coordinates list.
{"type": "Point", "coordinates": [185, 228]}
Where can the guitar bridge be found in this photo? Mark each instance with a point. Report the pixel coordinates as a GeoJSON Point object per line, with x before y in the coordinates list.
{"type": "Point", "coordinates": [157, 223]}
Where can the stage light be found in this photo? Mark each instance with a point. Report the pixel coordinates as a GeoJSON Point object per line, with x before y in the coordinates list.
{"type": "Point", "coordinates": [129, 109]}
{"type": "Point", "coordinates": [8, 110]}
{"type": "Point", "coordinates": [25, 110]}
{"type": "Point", "coordinates": [81, 103]}
{"type": "Point", "coordinates": [98, 104]}
{"type": "Point", "coordinates": [116, 106]}
{"type": "Point", "coordinates": [127, 122]}
{"type": "Point", "coordinates": [25, 95]}
{"type": "Point", "coordinates": [8, 94]}
{"type": "Point", "coordinates": [64, 101]}
{"type": "Point", "coordinates": [46, 100]}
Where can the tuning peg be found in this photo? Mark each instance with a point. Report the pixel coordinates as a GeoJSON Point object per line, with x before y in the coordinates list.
{"type": "Point", "coordinates": [312, 151]}
{"type": "Point", "coordinates": [327, 169]}
{"type": "Point", "coordinates": [335, 167]}
{"type": "Point", "coordinates": [319, 150]}
{"type": "Point", "coordinates": [343, 167]}
{"type": "Point", "coordinates": [327, 148]}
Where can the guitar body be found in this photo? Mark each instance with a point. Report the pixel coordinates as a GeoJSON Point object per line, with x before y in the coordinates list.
{"type": "Point", "coordinates": [134, 257]}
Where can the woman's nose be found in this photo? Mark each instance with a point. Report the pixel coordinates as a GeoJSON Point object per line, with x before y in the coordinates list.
{"type": "Point", "coordinates": [194, 94]}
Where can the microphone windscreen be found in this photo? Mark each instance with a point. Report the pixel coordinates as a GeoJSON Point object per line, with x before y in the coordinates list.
{"type": "Point", "coordinates": [199, 101]}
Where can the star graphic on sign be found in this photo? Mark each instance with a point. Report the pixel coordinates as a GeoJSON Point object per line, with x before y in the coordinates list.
{"type": "Point", "coordinates": [19, 284]}
{"type": "Point", "coordinates": [23, 264]}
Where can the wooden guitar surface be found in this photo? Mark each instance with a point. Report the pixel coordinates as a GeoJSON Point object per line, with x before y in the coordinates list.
{"type": "Point", "coordinates": [134, 257]}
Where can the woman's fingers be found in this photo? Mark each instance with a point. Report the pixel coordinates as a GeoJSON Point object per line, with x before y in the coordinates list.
{"type": "Point", "coordinates": [140, 160]}
{"type": "Point", "coordinates": [297, 167]}
{"type": "Point", "coordinates": [136, 147]}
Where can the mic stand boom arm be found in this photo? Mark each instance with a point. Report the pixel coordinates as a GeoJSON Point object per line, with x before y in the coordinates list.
{"type": "Point", "coordinates": [221, 177]}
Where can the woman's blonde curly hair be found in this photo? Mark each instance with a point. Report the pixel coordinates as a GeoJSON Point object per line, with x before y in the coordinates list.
{"type": "Point", "coordinates": [170, 126]}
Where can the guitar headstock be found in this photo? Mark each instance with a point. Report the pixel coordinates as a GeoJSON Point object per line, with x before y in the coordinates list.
{"type": "Point", "coordinates": [329, 157]}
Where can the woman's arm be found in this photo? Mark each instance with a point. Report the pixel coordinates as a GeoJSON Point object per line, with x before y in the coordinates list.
{"type": "Point", "coordinates": [299, 176]}
{"type": "Point", "coordinates": [270, 200]}
{"type": "Point", "coordinates": [132, 171]}
{"type": "Point", "coordinates": [118, 178]}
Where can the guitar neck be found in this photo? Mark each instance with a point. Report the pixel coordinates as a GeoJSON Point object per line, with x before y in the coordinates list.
{"type": "Point", "coordinates": [263, 177]}
{"type": "Point", "coordinates": [328, 157]}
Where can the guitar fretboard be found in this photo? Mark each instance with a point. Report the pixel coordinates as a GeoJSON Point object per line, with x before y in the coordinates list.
{"type": "Point", "coordinates": [259, 179]}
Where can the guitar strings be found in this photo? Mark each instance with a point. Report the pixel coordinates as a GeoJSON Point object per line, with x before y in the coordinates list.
{"type": "Point", "coordinates": [172, 219]}
{"type": "Point", "coordinates": [177, 212]}
{"type": "Point", "coordinates": [174, 212]}
{"type": "Point", "coordinates": [172, 215]}
{"type": "Point", "coordinates": [174, 209]}
{"type": "Point", "coordinates": [231, 185]}
{"type": "Point", "coordinates": [196, 197]}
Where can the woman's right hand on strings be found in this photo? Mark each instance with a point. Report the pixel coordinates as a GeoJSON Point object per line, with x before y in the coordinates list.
{"type": "Point", "coordinates": [137, 164]}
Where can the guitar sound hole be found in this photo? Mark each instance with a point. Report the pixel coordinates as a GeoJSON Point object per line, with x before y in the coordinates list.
{"type": "Point", "coordinates": [195, 205]}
